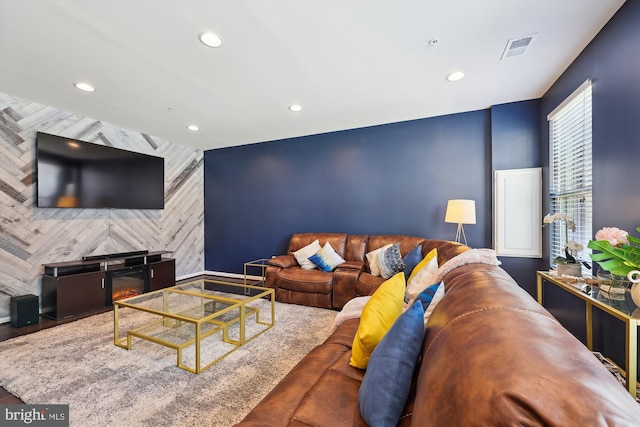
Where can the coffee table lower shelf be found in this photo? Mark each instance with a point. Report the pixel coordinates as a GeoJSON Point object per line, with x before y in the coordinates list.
{"type": "Point", "coordinates": [188, 314]}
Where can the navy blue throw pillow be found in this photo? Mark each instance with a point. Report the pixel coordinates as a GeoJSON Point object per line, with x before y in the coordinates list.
{"type": "Point", "coordinates": [385, 388]}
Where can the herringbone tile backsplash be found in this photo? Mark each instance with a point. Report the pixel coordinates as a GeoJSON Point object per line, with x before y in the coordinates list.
{"type": "Point", "coordinates": [30, 236]}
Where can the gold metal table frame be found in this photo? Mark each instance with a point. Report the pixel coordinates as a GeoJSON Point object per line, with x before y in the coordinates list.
{"type": "Point", "coordinates": [261, 263]}
{"type": "Point", "coordinates": [210, 317]}
{"type": "Point", "coordinates": [632, 321]}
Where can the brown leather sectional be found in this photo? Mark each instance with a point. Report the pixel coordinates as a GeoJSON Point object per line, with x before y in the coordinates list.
{"type": "Point", "coordinates": [491, 356]}
{"type": "Point", "coordinates": [353, 278]}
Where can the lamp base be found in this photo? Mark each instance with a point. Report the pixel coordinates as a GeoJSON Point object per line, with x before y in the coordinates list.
{"type": "Point", "coordinates": [459, 233]}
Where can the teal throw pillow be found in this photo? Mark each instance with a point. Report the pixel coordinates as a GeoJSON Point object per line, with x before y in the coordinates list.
{"type": "Point", "coordinates": [326, 258]}
{"type": "Point", "coordinates": [387, 382]}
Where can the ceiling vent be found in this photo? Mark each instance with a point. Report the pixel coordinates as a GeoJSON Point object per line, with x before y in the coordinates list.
{"type": "Point", "coordinates": [517, 46]}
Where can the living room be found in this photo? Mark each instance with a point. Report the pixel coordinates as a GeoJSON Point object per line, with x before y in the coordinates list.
{"type": "Point", "coordinates": [226, 206]}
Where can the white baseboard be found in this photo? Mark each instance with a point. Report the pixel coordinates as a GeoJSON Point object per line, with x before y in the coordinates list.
{"type": "Point", "coordinates": [185, 277]}
{"type": "Point", "coordinates": [218, 273]}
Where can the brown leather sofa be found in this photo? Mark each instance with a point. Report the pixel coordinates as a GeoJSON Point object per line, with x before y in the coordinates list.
{"type": "Point", "coordinates": [316, 288]}
{"type": "Point", "coordinates": [491, 356]}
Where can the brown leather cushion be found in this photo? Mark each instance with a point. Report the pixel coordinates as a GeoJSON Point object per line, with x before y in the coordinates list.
{"type": "Point", "coordinates": [337, 241]}
{"type": "Point", "coordinates": [313, 281]}
{"type": "Point", "coordinates": [367, 283]}
{"type": "Point", "coordinates": [501, 358]}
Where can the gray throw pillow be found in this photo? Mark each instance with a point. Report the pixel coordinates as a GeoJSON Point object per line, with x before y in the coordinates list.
{"type": "Point", "coordinates": [390, 261]}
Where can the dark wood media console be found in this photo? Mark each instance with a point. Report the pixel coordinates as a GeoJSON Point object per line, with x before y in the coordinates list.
{"type": "Point", "coordinates": [91, 284]}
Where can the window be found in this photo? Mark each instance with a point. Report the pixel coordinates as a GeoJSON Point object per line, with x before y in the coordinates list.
{"type": "Point", "coordinates": [570, 167]}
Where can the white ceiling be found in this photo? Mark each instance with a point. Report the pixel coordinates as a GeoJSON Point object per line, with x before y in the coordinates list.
{"type": "Point", "coordinates": [349, 63]}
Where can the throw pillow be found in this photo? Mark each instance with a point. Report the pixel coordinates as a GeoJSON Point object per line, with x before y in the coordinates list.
{"type": "Point", "coordinates": [385, 388]}
{"type": "Point", "coordinates": [430, 298]}
{"type": "Point", "coordinates": [411, 260]}
{"type": "Point", "coordinates": [326, 258]}
{"type": "Point", "coordinates": [378, 314]}
{"type": "Point", "coordinates": [372, 257]}
{"type": "Point", "coordinates": [390, 261]}
{"type": "Point", "coordinates": [423, 275]}
{"type": "Point", "coordinates": [302, 255]}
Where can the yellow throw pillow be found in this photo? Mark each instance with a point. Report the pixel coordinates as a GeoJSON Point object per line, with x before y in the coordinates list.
{"type": "Point", "coordinates": [432, 255]}
{"type": "Point", "coordinates": [378, 315]}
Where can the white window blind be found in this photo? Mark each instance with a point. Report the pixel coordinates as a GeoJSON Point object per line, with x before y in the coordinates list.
{"type": "Point", "coordinates": [570, 165]}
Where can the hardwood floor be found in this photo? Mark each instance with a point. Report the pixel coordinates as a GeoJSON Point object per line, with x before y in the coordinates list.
{"type": "Point", "coordinates": [8, 332]}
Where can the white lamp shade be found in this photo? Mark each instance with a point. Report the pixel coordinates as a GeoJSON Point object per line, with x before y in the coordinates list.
{"type": "Point", "coordinates": [461, 211]}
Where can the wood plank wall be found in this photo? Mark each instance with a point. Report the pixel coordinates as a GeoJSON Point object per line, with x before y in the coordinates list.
{"type": "Point", "coordinates": [30, 236]}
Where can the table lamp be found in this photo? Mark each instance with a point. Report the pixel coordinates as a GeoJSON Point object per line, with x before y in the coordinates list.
{"type": "Point", "coordinates": [460, 212]}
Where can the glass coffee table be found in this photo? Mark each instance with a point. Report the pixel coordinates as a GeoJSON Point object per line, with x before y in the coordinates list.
{"type": "Point", "coordinates": [203, 320]}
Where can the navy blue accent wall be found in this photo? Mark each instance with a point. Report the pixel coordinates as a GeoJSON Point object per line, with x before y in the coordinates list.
{"type": "Point", "coordinates": [515, 135]}
{"type": "Point", "coordinates": [396, 178]}
{"type": "Point", "coordinates": [388, 179]}
{"type": "Point", "coordinates": [515, 144]}
{"type": "Point", "coordinates": [612, 62]}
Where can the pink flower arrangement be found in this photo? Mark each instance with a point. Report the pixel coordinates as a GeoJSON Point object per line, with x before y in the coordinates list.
{"type": "Point", "coordinates": [613, 235]}
{"type": "Point", "coordinates": [619, 253]}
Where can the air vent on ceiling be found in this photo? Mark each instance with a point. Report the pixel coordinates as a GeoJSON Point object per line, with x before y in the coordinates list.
{"type": "Point", "coordinates": [517, 46]}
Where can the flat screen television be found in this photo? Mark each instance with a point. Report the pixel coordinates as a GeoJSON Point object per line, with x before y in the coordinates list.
{"type": "Point", "coordinates": [78, 174]}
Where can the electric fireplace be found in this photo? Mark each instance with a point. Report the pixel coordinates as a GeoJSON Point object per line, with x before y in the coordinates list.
{"type": "Point", "coordinates": [127, 282]}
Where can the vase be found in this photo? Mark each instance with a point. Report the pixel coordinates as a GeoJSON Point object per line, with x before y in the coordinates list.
{"type": "Point", "coordinates": [613, 287]}
{"type": "Point", "coordinates": [634, 277]}
{"type": "Point", "coordinates": [573, 269]}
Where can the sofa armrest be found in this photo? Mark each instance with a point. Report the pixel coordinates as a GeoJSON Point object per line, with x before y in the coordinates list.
{"type": "Point", "coordinates": [345, 279]}
{"type": "Point", "coordinates": [283, 261]}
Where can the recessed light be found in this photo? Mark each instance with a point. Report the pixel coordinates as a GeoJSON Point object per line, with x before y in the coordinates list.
{"type": "Point", "coordinates": [73, 144]}
{"type": "Point", "coordinates": [295, 108]}
{"type": "Point", "coordinates": [210, 39]}
{"type": "Point", "coordinates": [193, 127]}
{"type": "Point", "coordinates": [454, 77]}
{"type": "Point", "coordinates": [84, 86]}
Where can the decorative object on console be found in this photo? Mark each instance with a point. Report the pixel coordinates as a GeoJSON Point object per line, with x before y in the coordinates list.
{"type": "Point", "coordinates": [620, 255]}
{"type": "Point", "coordinates": [612, 286]}
{"type": "Point", "coordinates": [634, 276]}
{"type": "Point", "coordinates": [460, 211]}
{"type": "Point", "coordinates": [567, 265]}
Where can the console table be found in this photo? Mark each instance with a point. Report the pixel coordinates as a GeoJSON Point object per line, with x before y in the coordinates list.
{"type": "Point", "coordinates": [632, 321]}
{"type": "Point", "coordinates": [78, 287]}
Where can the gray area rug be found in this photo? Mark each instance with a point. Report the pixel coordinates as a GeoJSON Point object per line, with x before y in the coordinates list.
{"type": "Point", "coordinates": [105, 385]}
